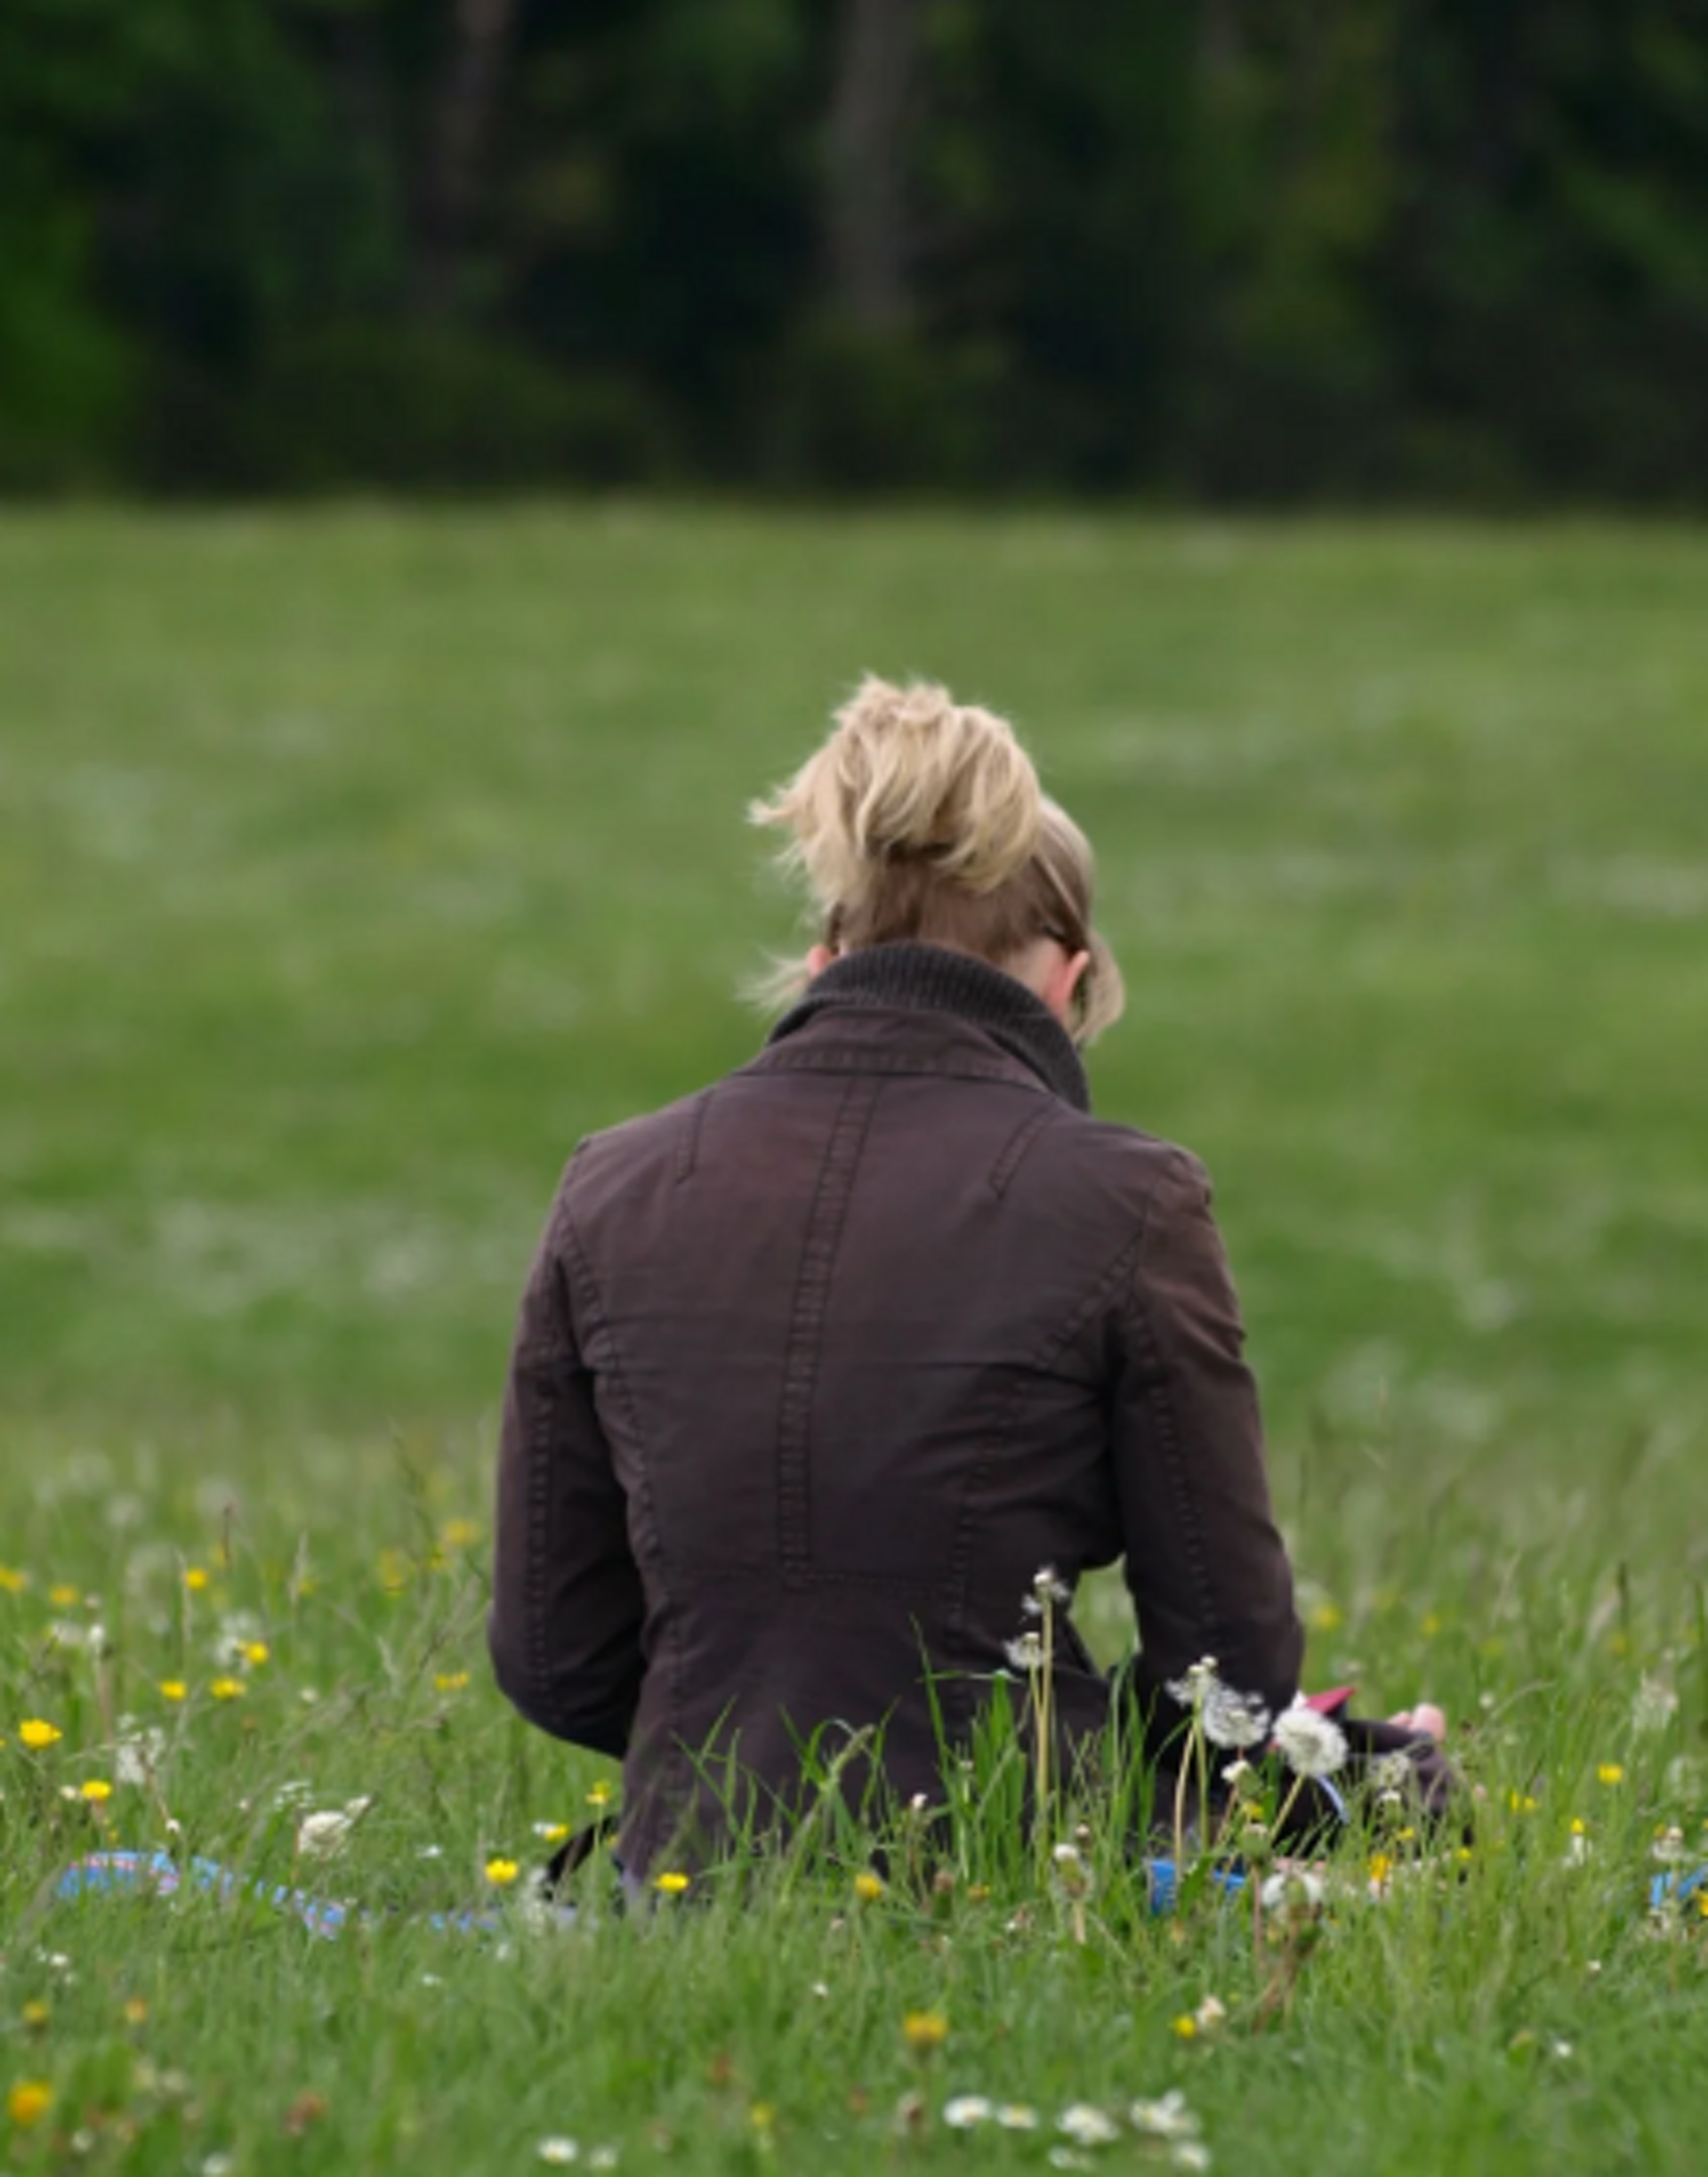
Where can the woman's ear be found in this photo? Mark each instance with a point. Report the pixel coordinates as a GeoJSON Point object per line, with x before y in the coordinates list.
{"type": "Point", "coordinates": [1061, 982]}
{"type": "Point", "coordinates": [819, 959]}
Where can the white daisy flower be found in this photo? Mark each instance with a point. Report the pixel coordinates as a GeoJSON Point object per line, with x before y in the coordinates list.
{"type": "Point", "coordinates": [1016, 2116]}
{"type": "Point", "coordinates": [1311, 1745]}
{"type": "Point", "coordinates": [1189, 2155]}
{"type": "Point", "coordinates": [1166, 2118]}
{"type": "Point", "coordinates": [966, 2110]}
{"type": "Point", "coordinates": [558, 2151]}
{"type": "Point", "coordinates": [1087, 2125]}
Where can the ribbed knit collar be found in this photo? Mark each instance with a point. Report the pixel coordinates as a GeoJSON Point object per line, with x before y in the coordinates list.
{"type": "Point", "coordinates": [931, 978]}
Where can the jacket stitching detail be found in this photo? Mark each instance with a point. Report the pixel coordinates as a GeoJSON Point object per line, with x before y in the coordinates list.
{"type": "Point", "coordinates": [646, 1535]}
{"type": "Point", "coordinates": [1167, 1422]}
{"type": "Point", "coordinates": [802, 1354]}
{"type": "Point", "coordinates": [853, 1058]}
{"type": "Point", "coordinates": [1011, 1159]}
{"type": "Point", "coordinates": [688, 1142]}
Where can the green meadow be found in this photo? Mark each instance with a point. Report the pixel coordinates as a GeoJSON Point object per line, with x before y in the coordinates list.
{"type": "Point", "coordinates": [354, 864]}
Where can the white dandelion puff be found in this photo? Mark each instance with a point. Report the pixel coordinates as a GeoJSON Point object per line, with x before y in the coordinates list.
{"type": "Point", "coordinates": [1025, 1654]}
{"type": "Point", "coordinates": [1193, 1688]}
{"type": "Point", "coordinates": [1233, 1719]}
{"type": "Point", "coordinates": [1310, 1744]}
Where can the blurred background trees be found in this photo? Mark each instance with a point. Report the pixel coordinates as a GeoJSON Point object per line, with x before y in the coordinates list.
{"type": "Point", "coordinates": [1257, 250]}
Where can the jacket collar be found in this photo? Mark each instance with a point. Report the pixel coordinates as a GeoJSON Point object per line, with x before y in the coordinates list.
{"type": "Point", "coordinates": [931, 978]}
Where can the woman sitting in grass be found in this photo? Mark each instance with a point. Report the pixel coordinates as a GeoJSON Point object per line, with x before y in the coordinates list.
{"type": "Point", "coordinates": [817, 1369]}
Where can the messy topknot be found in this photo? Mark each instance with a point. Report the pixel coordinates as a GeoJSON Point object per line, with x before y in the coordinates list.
{"type": "Point", "coordinates": [921, 818]}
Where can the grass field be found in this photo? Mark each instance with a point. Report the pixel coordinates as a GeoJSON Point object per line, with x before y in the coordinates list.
{"type": "Point", "coordinates": [352, 866]}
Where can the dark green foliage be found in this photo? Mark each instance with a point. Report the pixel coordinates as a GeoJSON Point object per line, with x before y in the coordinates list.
{"type": "Point", "coordinates": [1348, 249]}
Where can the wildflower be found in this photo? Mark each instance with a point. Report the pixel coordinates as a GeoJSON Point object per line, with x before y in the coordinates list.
{"type": "Point", "coordinates": [136, 2010]}
{"type": "Point", "coordinates": [501, 1873]}
{"type": "Point", "coordinates": [1166, 2118]}
{"type": "Point", "coordinates": [1390, 1772]}
{"type": "Point", "coordinates": [171, 1689]}
{"type": "Point", "coordinates": [1238, 1772]}
{"type": "Point", "coordinates": [1067, 2158]}
{"type": "Point", "coordinates": [868, 1887]}
{"type": "Point", "coordinates": [1016, 2116]}
{"type": "Point", "coordinates": [12, 1581]}
{"type": "Point", "coordinates": [450, 1681]}
{"type": "Point", "coordinates": [227, 1688]}
{"type": "Point", "coordinates": [1185, 2028]}
{"type": "Point", "coordinates": [1668, 1845]}
{"type": "Point", "coordinates": [1210, 2013]}
{"type": "Point", "coordinates": [1311, 1745]}
{"type": "Point", "coordinates": [29, 2101]}
{"type": "Point", "coordinates": [37, 1734]}
{"type": "Point", "coordinates": [1233, 1719]}
{"type": "Point", "coordinates": [137, 1754]}
{"type": "Point", "coordinates": [762, 2117]}
{"type": "Point", "coordinates": [1655, 1705]}
{"type": "Point", "coordinates": [601, 1794]}
{"type": "Point", "coordinates": [558, 2151]}
{"type": "Point", "coordinates": [1087, 2125]}
{"type": "Point", "coordinates": [1024, 1654]}
{"type": "Point", "coordinates": [254, 1653]}
{"type": "Point", "coordinates": [1048, 1586]}
{"type": "Point", "coordinates": [96, 1790]}
{"type": "Point", "coordinates": [1381, 1869]}
{"type": "Point", "coordinates": [319, 1836]}
{"type": "Point", "coordinates": [1072, 1871]}
{"type": "Point", "coordinates": [966, 2110]}
{"type": "Point", "coordinates": [35, 2015]}
{"type": "Point", "coordinates": [194, 1579]}
{"type": "Point", "coordinates": [460, 1534]}
{"type": "Point", "coordinates": [924, 2031]}
{"type": "Point", "coordinates": [1189, 2155]}
{"type": "Point", "coordinates": [1610, 1772]}
{"type": "Point", "coordinates": [1430, 1624]}
{"type": "Point", "coordinates": [63, 1596]}
{"type": "Point", "coordinates": [1193, 1688]}
{"type": "Point", "coordinates": [603, 2158]}
{"type": "Point", "coordinates": [1521, 1802]}
{"type": "Point", "coordinates": [551, 1833]}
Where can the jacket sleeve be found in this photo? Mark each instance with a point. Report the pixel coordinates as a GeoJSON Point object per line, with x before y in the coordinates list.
{"type": "Point", "coordinates": [566, 1604]}
{"type": "Point", "coordinates": [1206, 1566]}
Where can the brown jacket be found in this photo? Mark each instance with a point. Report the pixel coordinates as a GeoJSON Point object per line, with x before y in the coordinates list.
{"type": "Point", "coordinates": [818, 1367]}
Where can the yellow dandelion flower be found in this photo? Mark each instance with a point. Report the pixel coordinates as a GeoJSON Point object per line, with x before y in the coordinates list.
{"type": "Point", "coordinates": [35, 2015]}
{"type": "Point", "coordinates": [551, 1833]}
{"type": "Point", "coordinates": [227, 1688]}
{"type": "Point", "coordinates": [13, 1582]}
{"type": "Point", "coordinates": [1327, 1618]}
{"type": "Point", "coordinates": [1186, 2027]}
{"type": "Point", "coordinates": [1380, 1867]}
{"type": "Point", "coordinates": [673, 1883]}
{"type": "Point", "coordinates": [762, 2116]}
{"type": "Point", "coordinates": [136, 2010]}
{"type": "Point", "coordinates": [1521, 1802]}
{"type": "Point", "coordinates": [254, 1653]}
{"type": "Point", "coordinates": [1610, 1772]}
{"type": "Point", "coordinates": [460, 1534]}
{"type": "Point", "coordinates": [63, 1596]}
{"type": "Point", "coordinates": [601, 1794]}
{"type": "Point", "coordinates": [1580, 1827]}
{"type": "Point", "coordinates": [868, 1887]}
{"type": "Point", "coordinates": [1430, 1624]}
{"type": "Point", "coordinates": [28, 2102]}
{"type": "Point", "coordinates": [450, 1681]}
{"type": "Point", "coordinates": [37, 1734]}
{"type": "Point", "coordinates": [172, 1689]}
{"type": "Point", "coordinates": [501, 1872]}
{"type": "Point", "coordinates": [97, 1791]}
{"type": "Point", "coordinates": [393, 1569]}
{"type": "Point", "coordinates": [194, 1579]}
{"type": "Point", "coordinates": [924, 2031]}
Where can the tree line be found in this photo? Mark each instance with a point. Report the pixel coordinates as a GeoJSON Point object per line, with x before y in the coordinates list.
{"type": "Point", "coordinates": [1242, 250]}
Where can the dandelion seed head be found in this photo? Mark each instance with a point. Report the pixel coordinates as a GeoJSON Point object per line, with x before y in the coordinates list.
{"type": "Point", "coordinates": [1311, 1745]}
{"type": "Point", "coordinates": [1087, 2125]}
{"type": "Point", "coordinates": [1231, 1719]}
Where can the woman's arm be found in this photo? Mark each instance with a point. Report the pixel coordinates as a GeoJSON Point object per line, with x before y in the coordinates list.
{"type": "Point", "coordinates": [1207, 1568]}
{"type": "Point", "coordinates": [566, 1602]}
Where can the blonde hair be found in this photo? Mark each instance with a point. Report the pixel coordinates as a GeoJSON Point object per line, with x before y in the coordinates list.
{"type": "Point", "coordinates": [922, 819]}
